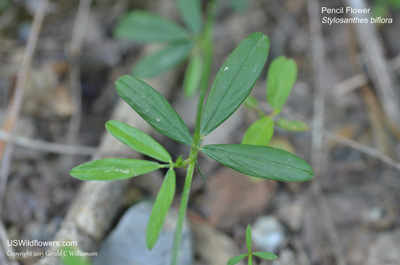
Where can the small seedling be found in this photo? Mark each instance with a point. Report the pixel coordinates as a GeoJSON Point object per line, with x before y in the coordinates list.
{"type": "Point", "coordinates": [264, 255]}
{"type": "Point", "coordinates": [282, 74]}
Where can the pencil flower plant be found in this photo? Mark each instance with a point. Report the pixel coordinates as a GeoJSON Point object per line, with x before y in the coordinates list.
{"type": "Point", "coordinates": [232, 85]}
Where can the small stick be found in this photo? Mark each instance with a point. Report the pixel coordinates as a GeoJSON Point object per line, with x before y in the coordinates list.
{"type": "Point", "coordinates": [357, 81]}
{"type": "Point", "coordinates": [48, 146]}
{"type": "Point", "coordinates": [75, 48]}
{"type": "Point", "coordinates": [348, 142]}
{"type": "Point", "coordinates": [362, 148]}
{"type": "Point", "coordinates": [376, 63]}
{"type": "Point", "coordinates": [317, 157]}
{"type": "Point", "coordinates": [22, 78]}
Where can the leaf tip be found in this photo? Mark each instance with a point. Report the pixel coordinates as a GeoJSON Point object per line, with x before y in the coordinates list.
{"type": "Point", "coordinates": [149, 242]}
{"type": "Point", "coordinates": [248, 238]}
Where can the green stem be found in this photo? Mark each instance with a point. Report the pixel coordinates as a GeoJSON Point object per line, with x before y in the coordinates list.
{"type": "Point", "coordinates": [206, 39]}
{"type": "Point", "coordinates": [206, 71]}
{"type": "Point", "coordinates": [183, 206]}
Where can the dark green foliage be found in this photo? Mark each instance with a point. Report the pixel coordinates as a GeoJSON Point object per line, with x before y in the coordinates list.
{"type": "Point", "coordinates": [235, 80]}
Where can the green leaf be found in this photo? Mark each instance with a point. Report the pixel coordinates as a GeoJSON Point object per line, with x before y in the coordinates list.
{"type": "Point", "coordinates": [191, 13]}
{"type": "Point", "coordinates": [282, 74]}
{"type": "Point", "coordinates": [162, 60]}
{"type": "Point", "coordinates": [379, 9]}
{"type": "Point", "coordinates": [146, 27]}
{"type": "Point", "coordinates": [235, 80]}
{"type": "Point", "coordinates": [70, 258]}
{"type": "Point", "coordinates": [248, 238]}
{"type": "Point", "coordinates": [236, 259]}
{"type": "Point", "coordinates": [239, 5]}
{"type": "Point", "coordinates": [251, 102]}
{"type": "Point", "coordinates": [138, 140]}
{"type": "Point", "coordinates": [153, 108]}
{"type": "Point", "coordinates": [260, 132]}
{"type": "Point", "coordinates": [113, 169]}
{"type": "Point", "coordinates": [160, 209]}
{"type": "Point", "coordinates": [179, 162]}
{"type": "Point", "coordinates": [193, 75]}
{"type": "Point", "coordinates": [250, 261]}
{"type": "Point", "coordinates": [4, 4]}
{"type": "Point", "coordinates": [265, 255]}
{"type": "Point", "coordinates": [393, 3]}
{"type": "Point", "coordinates": [261, 161]}
{"type": "Point", "coordinates": [201, 173]}
{"type": "Point", "coordinates": [295, 126]}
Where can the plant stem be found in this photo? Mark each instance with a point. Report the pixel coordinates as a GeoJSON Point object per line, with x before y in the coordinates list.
{"type": "Point", "coordinates": [206, 71]}
{"type": "Point", "coordinates": [183, 206]}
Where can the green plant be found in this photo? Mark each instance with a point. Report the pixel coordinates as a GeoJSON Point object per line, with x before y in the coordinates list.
{"type": "Point", "coordinates": [264, 255]}
{"type": "Point", "coordinates": [181, 43]}
{"type": "Point", "coordinates": [380, 8]}
{"type": "Point", "coordinates": [4, 4]}
{"type": "Point", "coordinates": [282, 74]}
{"type": "Point", "coordinates": [232, 85]}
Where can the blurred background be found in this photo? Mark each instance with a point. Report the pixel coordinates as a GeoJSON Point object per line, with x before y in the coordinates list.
{"type": "Point", "coordinates": [347, 90]}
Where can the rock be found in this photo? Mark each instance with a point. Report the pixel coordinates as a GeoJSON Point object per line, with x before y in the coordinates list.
{"type": "Point", "coordinates": [211, 246]}
{"type": "Point", "coordinates": [267, 233]}
{"type": "Point", "coordinates": [236, 198]}
{"type": "Point", "coordinates": [126, 244]}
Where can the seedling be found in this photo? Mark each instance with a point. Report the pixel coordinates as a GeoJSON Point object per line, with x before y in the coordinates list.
{"type": "Point", "coordinates": [282, 74]}
{"type": "Point", "coordinates": [232, 85]}
{"type": "Point", "coordinates": [264, 255]}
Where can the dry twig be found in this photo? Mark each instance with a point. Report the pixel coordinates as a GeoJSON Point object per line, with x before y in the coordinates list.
{"type": "Point", "coordinates": [364, 149]}
{"type": "Point", "coordinates": [75, 48]}
{"type": "Point", "coordinates": [357, 81]}
{"type": "Point", "coordinates": [378, 68]}
{"type": "Point", "coordinates": [348, 142]}
{"type": "Point", "coordinates": [48, 146]}
{"type": "Point", "coordinates": [14, 113]}
{"type": "Point", "coordinates": [317, 157]}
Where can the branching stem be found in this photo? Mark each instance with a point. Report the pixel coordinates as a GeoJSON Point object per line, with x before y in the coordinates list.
{"type": "Point", "coordinates": [206, 71]}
